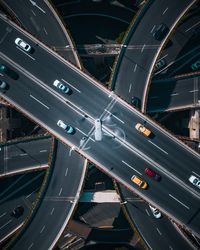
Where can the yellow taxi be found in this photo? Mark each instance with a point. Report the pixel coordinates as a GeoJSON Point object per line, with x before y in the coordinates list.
{"type": "Point", "coordinates": [143, 130]}
{"type": "Point", "coordinates": [140, 182]}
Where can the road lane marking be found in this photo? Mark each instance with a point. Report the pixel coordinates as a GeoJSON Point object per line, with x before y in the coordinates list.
{"type": "Point", "coordinates": [52, 210]}
{"type": "Point", "coordinates": [158, 231]}
{"type": "Point", "coordinates": [130, 86]}
{"type": "Point", "coordinates": [131, 167]}
{"type": "Point", "coordinates": [153, 28]}
{"type": "Point", "coordinates": [44, 150]}
{"type": "Point", "coordinates": [60, 192]}
{"type": "Point", "coordinates": [195, 173]}
{"type": "Point", "coordinates": [84, 134]}
{"type": "Point", "coordinates": [170, 247]}
{"type": "Point", "coordinates": [158, 147]}
{"type": "Point", "coordinates": [3, 214]}
{"type": "Point", "coordinates": [174, 94]}
{"type": "Point", "coordinates": [114, 116]}
{"type": "Point", "coordinates": [66, 172]}
{"type": "Point", "coordinates": [25, 53]}
{"type": "Point", "coordinates": [42, 229]}
{"type": "Point", "coordinates": [192, 26]}
{"type": "Point", "coordinates": [5, 224]}
{"type": "Point", "coordinates": [195, 90]}
{"type": "Point", "coordinates": [179, 201]}
{"type": "Point", "coordinates": [30, 246]}
{"type": "Point", "coordinates": [33, 12]}
{"type": "Point", "coordinates": [23, 154]}
{"type": "Point", "coordinates": [39, 101]}
{"type": "Point", "coordinates": [135, 67]}
{"type": "Point", "coordinates": [143, 48]}
{"type": "Point", "coordinates": [165, 11]}
{"type": "Point", "coordinates": [71, 85]}
{"type": "Point", "coordinates": [147, 212]}
{"type": "Point", "coordinates": [45, 31]}
{"type": "Point", "coordinates": [37, 6]}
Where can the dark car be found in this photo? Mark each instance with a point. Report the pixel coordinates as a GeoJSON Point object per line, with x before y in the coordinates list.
{"type": "Point", "coordinates": [160, 64]}
{"type": "Point", "coordinates": [135, 101]}
{"type": "Point", "coordinates": [153, 174]}
{"type": "Point", "coordinates": [160, 32]}
{"type": "Point", "coordinates": [17, 212]}
{"type": "Point", "coordinates": [9, 72]}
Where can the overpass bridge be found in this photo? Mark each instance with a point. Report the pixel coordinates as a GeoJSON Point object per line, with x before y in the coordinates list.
{"type": "Point", "coordinates": [121, 146]}
{"type": "Point", "coordinates": [175, 93]}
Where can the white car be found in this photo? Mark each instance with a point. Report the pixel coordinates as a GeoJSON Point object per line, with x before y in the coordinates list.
{"type": "Point", "coordinates": [195, 181]}
{"type": "Point", "coordinates": [98, 130]}
{"type": "Point", "coordinates": [23, 45]}
{"type": "Point", "coordinates": [156, 213]}
{"type": "Point", "coordinates": [69, 129]}
{"type": "Point", "coordinates": [58, 84]}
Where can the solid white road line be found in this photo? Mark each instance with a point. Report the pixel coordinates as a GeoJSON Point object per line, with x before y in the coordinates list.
{"type": "Point", "coordinates": [114, 116]}
{"type": "Point", "coordinates": [131, 167]}
{"type": "Point", "coordinates": [179, 201]}
{"type": "Point", "coordinates": [192, 26]}
{"type": "Point", "coordinates": [71, 85]}
{"type": "Point", "coordinates": [158, 147]}
{"type": "Point", "coordinates": [39, 101]}
{"type": "Point", "coordinates": [26, 53]}
{"type": "Point", "coordinates": [5, 224]}
{"type": "Point", "coordinates": [195, 173]}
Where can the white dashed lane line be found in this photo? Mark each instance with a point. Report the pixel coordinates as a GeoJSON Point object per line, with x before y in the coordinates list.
{"type": "Point", "coordinates": [52, 210]}
{"type": "Point", "coordinates": [131, 167]}
{"type": "Point", "coordinates": [165, 11]}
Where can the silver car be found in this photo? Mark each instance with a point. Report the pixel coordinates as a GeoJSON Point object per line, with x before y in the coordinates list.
{"type": "Point", "coordinates": [69, 129]}
{"type": "Point", "coordinates": [23, 45]}
{"type": "Point", "coordinates": [60, 85]}
{"type": "Point", "coordinates": [3, 85]}
{"type": "Point", "coordinates": [195, 181]}
{"type": "Point", "coordinates": [156, 213]}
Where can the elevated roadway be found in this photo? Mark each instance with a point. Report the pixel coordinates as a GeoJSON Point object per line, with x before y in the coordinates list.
{"type": "Point", "coordinates": [42, 21]}
{"type": "Point", "coordinates": [135, 65]}
{"type": "Point", "coordinates": [23, 156]}
{"type": "Point", "coordinates": [123, 151]}
{"type": "Point", "coordinates": [174, 94]}
{"type": "Point", "coordinates": [159, 233]}
{"type": "Point", "coordinates": [57, 203]}
{"type": "Point", "coordinates": [21, 190]}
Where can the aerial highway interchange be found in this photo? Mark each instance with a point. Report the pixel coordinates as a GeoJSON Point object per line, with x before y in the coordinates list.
{"type": "Point", "coordinates": [123, 151]}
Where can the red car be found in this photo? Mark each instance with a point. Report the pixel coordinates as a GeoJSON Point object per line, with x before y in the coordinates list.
{"type": "Point", "coordinates": [153, 174]}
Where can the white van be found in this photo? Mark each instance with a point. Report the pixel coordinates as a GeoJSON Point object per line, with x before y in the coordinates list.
{"type": "Point", "coordinates": [98, 130]}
